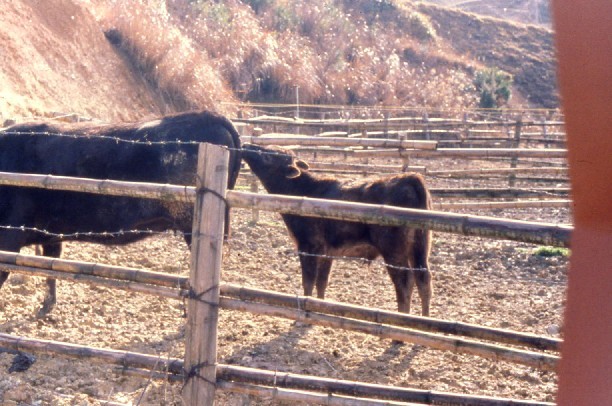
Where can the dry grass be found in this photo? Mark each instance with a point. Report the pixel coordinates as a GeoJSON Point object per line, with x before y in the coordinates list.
{"type": "Point", "coordinates": [334, 51]}
{"type": "Point", "coordinates": [184, 77]}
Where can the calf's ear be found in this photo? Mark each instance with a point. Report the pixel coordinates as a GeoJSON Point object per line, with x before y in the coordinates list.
{"type": "Point", "coordinates": [293, 172]}
{"type": "Point", "coordinates": [302, 165]}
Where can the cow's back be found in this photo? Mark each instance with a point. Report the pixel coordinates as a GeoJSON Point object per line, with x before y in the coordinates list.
{"type": "Point", "coordinates": [130, 151]}
{"type": "Point", "coordinates": [88, 158]}
{"type": "Point", "coordinates": [200, 126]}
{"type": "Point", "coordinates": [405, 190]}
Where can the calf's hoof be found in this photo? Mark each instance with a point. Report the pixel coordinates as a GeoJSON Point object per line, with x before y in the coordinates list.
{"type": "Point", "coordinates": [45, 309]}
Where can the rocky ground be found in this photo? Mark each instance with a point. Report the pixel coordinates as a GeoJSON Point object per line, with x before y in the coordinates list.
{"type": "Point", "coordinates": [483, 281]}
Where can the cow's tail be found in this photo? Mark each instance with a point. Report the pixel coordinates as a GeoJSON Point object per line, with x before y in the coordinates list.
{"type": "Point", "coordinates": [422, 237]}
{"type": "Point", "coordinates": [416, 195]}
{"type": "Point", "coordinates": [234, 170]}
{"type": "Point", "coordinates": [422, 192]}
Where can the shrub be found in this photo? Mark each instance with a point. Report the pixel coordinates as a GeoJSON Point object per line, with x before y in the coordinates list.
{"type": "Point", "coordinates": [493, 87]}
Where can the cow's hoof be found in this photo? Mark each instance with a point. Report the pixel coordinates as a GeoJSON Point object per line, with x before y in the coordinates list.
{"type": "Point", "coordinates": [45, 309]}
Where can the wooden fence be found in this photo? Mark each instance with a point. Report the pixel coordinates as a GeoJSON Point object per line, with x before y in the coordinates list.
{"type": "Point", "coordinates": [505, 129]}
{"type": "Point", "coordinates": [405, 150]}
{"type": "Point", "coordinates": [205, 295]}
{"type": "Point", "coordinates": [397, 148]}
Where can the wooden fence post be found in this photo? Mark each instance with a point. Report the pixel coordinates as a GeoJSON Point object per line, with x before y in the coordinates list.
{"type": "Point", "coordinates": [515, 144]}
{"type": "Point", "coordinates": [386, 124]}
{"type": "Point", "coordinates": [545, 132]}
{"type": "Point", "coordinates": [254, 189]}
{"type": "Point", "coordinates": [405, 158]}
{"type": "Point", "coordinates": [204, 276]}
{"type": "Point", "coordinates": [427, 130]}
{"type": "Point", "coordinates": [466, 130]}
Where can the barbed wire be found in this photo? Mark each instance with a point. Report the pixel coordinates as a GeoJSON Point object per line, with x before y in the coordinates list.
{"type": "Point", "coordinates": [82, 234]}
{"type": "Point", "coordinates": [120, 233]}
{"type": "Point", "coordinates": [105, 137]}
{"type": "Point", "coordinates": [233, 243]}
{"type": "Point", "coordinates": [271, 252]}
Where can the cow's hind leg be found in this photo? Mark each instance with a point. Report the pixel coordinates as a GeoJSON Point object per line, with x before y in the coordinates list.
{"type": "Point", "coordinates": [50, 250]}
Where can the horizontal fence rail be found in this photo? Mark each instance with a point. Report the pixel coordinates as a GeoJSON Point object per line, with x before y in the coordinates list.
{"type": "Point", "coordinates": [531, 232]}
{"type": "Point", "coordinates": [184, 194]}
{"type": "Point", "coordinates": [393, 122]}
{"type": "Point", "coordinates": [286, 139]}
{"type": "Point", "coordinates": [476, 193]}
{"type": "Point", "coordinates": [466, 153]}
{"type": "Point", "coordinates": [37, 265]}
{"type": "Point", "coordinates": [502, 205]}
{"type": "Point", "coordinates": [499, 171]}
{"type": "Point", "coordinates": [230, 373]}
{"type": "Point", "coordinates": [462, 153]}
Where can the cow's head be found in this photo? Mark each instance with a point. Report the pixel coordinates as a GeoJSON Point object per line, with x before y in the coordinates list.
{"type": "Point", "coordinates": [273, 162]}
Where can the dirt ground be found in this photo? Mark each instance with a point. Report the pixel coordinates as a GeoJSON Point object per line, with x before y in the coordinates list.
{"type": "Point", "coordinates": [483, 281]}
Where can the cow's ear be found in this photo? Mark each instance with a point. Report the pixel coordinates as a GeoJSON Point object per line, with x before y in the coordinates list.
{"type": "Point", "coordinates": [302, 165]}
{"type": "Point", "coordinates": [293, 172]}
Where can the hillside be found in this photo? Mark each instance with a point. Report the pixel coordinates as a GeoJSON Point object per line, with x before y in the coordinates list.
{"type": "Point", "coordinates": [523, 11]}
{"type": "Point", "coordinates": [55, 58]}
{"type": "Point", "coordinates": [122, 60]}
{"type": "Point", "coordinates": [526, 51]}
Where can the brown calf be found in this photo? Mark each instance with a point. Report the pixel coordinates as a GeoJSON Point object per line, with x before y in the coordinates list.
{"type": "Point", "coordinates": [405, 250]}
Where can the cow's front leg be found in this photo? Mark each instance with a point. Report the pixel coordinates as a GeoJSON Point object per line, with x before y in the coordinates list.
{"type": "Point", "coordinates": [50, 299]}
{"type": "Point", "coordinates": [50, 250]}
{"type": "Point", "coordinates": [323, 267]}
{"type": "Point", "coordinates": [3, 277]}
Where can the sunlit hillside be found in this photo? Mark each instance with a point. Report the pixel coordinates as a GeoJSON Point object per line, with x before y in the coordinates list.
{"type": "Point", "coordinates": [323, 51]}
{"type": "Point", "coordinates": [120, 59]}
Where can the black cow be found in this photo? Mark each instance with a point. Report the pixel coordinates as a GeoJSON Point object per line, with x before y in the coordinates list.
{"type": "Point", "coordinates": [161, 151]}
{"type": "Point", "coordinates": [405, 250]}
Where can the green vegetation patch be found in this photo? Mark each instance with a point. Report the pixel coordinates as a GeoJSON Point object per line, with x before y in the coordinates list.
{"type": "Point", "coordinates": [551, 252]}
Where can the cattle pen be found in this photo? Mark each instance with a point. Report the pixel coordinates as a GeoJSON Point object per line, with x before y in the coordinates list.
{"type": "Point", "coordinates": [205, 294]}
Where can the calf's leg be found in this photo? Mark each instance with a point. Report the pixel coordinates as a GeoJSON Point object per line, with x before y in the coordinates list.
{"type": "Point", "coordinates": [309, 272]}
{"type": "Point", "coordinates": [406, 252]}
{"type": "Point", "coordinates": [420, 261]}
{"type": "Point", "coordinates": [315, 272]}
{"type": "Point", "coordinates": [403, 281]}
{"type": "Point", "coordinates": [323, 267]}
{"type": "Point", "coordinates": [395, 246]}
{"type": "Point", "coordinates": [50, 250]}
